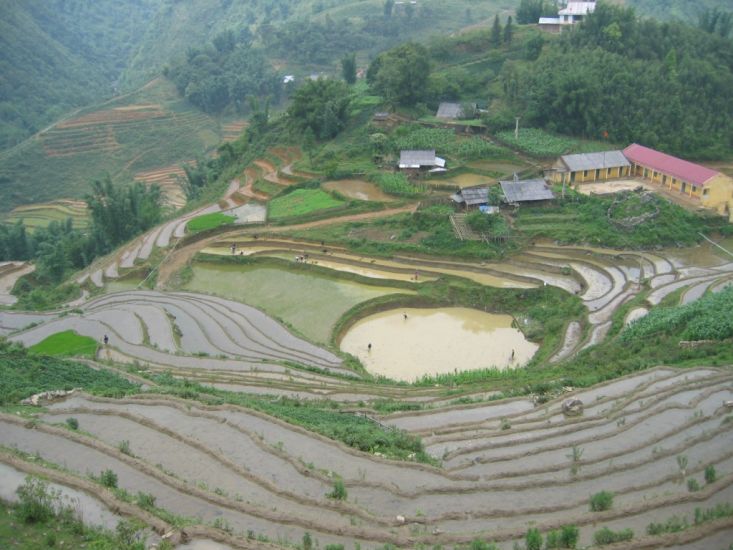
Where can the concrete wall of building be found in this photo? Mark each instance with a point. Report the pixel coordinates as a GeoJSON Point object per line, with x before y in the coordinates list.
{"type": "Point", "coordinates": [718, 195]}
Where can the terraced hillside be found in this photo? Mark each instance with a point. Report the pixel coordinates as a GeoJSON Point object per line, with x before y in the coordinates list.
{"type": "Point", "coordinates": [40, 215]}
{"type": "Point", "coordinates": [131, 136]}
{"type": "Point", "coordinates": [243, 432]}
{"type": "Point", "coordinates": [506, 466]}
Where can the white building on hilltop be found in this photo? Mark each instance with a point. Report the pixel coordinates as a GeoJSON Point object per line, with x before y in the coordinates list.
{"type": "Point", "coordinates": [572, 13]}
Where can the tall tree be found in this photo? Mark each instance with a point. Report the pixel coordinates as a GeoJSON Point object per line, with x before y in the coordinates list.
{"type": "Point", "coordinates": [348, 68]}
{"type": "Point", "coordinates": [508, 31]}
{"type": "Point", "coordinates": [529, 11]}
{"type": "Point", "coordinates": [401, 74]}
{"type": "Point", "coordinates": [320, 105]}
{"type": "Point", "coordinates": [496, 32]}
{"type": "Point", "coordinates": [120, 212]}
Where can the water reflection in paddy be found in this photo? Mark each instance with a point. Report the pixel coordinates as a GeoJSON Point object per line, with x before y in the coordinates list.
{"type": "Point", "coordinates": [310, 303]}
{"type": "Point", "coordinates": [431, 341]}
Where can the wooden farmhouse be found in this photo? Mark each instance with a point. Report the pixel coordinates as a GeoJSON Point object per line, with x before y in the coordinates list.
{"type": "Point", "coordinates": [714, 189]}
{"type": "Point", "coordinates": [472, 197]}
{"type": "Point", "coordinates": [590, 167]}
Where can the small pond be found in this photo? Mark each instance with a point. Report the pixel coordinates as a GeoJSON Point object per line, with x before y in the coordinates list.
{"type": "Point", "coordinates": [358, 189]}
{"type": "Point", "coordinates": [436, 341]}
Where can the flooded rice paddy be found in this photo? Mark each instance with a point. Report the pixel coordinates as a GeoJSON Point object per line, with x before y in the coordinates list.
{"type": "Point", "coordinates": [436, 341]}
{"type": "Point", "coordinates": [468, 180]}
{"type": "Point", "coordinates": [358, 189]}
{"type": "Point", "coordinates": [310, 303]}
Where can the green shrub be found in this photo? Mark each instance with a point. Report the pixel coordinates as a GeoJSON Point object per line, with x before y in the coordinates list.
{"type": "Point", "coordinates": [693, 485]}
{"type": "Point", "coordinates": [601, 501]}
{"type": "Point", "coordinates": [710, 474]}
{"type": "Point", "coordinates": [72, 423]}
{"type": "Point", "coordinates": [334, 547]}
{"type": "Point", "coordinates": [36, 503]}
{"type": "Point", "coordinates": [533, 539]}
{"type": "Point", "coordinates": [108, 478]}
{"type": "Point", "coordinates": [722, 510]}
{"type": "Point", "coordinates": [672, 525]}
{"type": "Point", "coordinates": [606, 536]}
{"type": "Point", "coordinates": [339, 491]}
{"type": "Point", "coordinates": [568, 536]}
{"type": "Point", "coordinates": [479, 544]}
{"type": "Point", "coordinates": [145, 500]}
{"type": "Point", "coordinates": [124, 447]}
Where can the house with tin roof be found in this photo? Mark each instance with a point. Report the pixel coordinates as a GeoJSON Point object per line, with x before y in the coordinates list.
{"type": "Point", "coordinates": [574, 12]}
{"type": "Point", "coordinates": [714, 189]}
{"type": "Point", "coordinates": [452, 111]}
{"type": "Point", "coordinates": [534, 191]}
{"type": "Point", "coordinates": [421, 160]}
{"type": "Point", "coordinates": [589, 167]}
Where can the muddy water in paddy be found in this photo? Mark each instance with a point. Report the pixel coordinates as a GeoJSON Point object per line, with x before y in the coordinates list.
{"type": "Point", "coordinates": [358, 189]}
{"type": "Point", "coordinates": [432, 341]}
{"type": "Point", "coordinates": [468, 180]}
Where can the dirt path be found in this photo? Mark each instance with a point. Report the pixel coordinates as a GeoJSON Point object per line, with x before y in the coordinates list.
{"type": "Point", "coordinates": [183, 255]}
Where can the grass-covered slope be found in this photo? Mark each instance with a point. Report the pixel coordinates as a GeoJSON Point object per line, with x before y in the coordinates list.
{"type": "Point", "coordinates": [598, 220]}
{"type": "Point", "coordinates": [23, 374]}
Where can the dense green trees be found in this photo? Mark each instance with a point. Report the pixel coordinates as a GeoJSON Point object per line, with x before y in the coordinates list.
{"type": "Point", "coordinates": [118, 213]}
{"type": "Point", "coordinates": [57, 55]}
{"type": "Point", "coordinates": [529, 11]}
{"type": "Point", "coordinates": [401, 74]}
{"type": "Point", "coordinates": [665, 85]}
{"type": "Point", "coordinates": [320, 106]}
{"type": "Point", "coordinates": [716, 21]}
{"type": "Point", "coordinates": [225, 74]}
{"type": "Point", "coordinates": [348, 68]}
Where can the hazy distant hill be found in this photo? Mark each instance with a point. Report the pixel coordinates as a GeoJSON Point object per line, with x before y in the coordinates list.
{"type": "Point", "coordinates": [684, 10]}
{"type": "Point", "coordinates": [56, 55]}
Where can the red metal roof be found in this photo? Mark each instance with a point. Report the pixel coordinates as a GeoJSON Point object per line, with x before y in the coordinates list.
{"type": "Point", "coordinates": [661, 162]}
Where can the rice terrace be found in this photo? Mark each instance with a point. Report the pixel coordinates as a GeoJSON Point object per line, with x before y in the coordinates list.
{"type": "Point", "coordinates": [275, 294]}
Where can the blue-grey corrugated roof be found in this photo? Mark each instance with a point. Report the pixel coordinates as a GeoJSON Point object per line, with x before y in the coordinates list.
{"type": "Point", "coordinates": [417, 158]}
{"type": "Point", "coordinates": [595, 161]}
{"type": "Point", "coordinates": [526, 190]}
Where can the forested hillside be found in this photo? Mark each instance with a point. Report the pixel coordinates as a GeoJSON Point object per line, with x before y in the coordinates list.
{"type": "Point", "coordinates": [56, 55]}
{"type": "Point", "coordinates": [684, 10]}
{"type": "Point", "coordinates": [629, 79]}
{"type": "Point", "coordinates": [301, 32]}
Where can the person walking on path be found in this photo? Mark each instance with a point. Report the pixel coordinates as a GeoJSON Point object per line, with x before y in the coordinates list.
{"type": "Point", "coordinates": [369, 347]}
{"type": "Point", "coordinates": [105, 339]}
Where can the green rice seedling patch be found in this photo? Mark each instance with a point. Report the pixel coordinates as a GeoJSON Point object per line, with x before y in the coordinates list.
{"type": "Point", "coordinates": [67, 343]}
{"type": "Point", "coordinates": [301, 202]}
{"type": "Point", "coordinates": [209, 221]}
